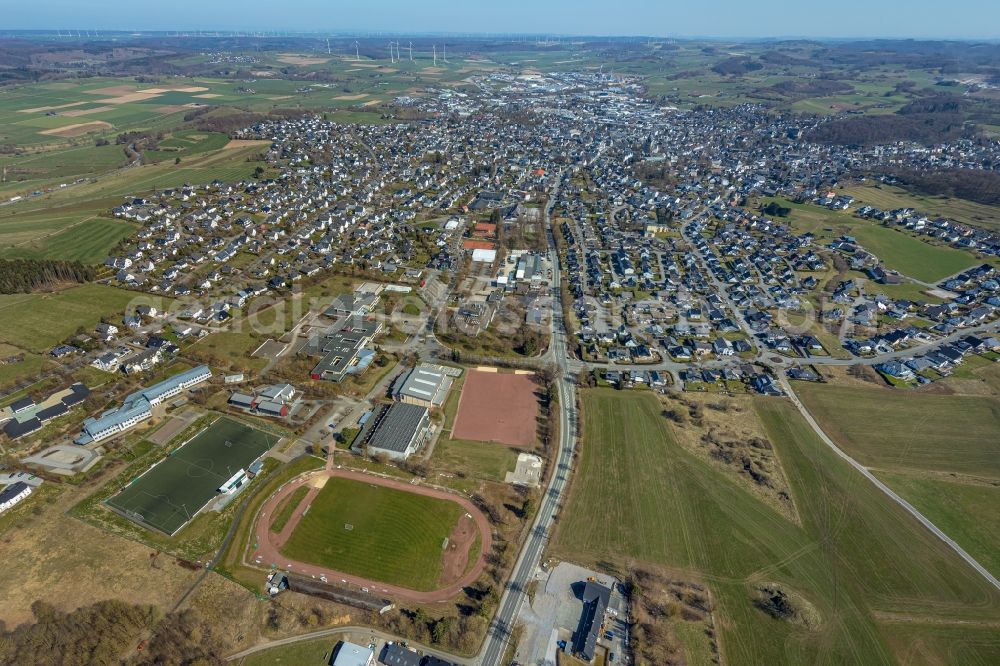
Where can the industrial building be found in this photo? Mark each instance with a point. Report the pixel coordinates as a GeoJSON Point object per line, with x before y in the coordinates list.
{"type": "Point", "coordinates": [426, 385]}
{"type": "Point", "coordinates": [138, 407]}
{"type": "Point", "coordinates": [395, 430]}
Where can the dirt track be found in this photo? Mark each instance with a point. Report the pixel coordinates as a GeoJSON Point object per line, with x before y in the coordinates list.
{"type": "Point", "coordinates": [268, 548]}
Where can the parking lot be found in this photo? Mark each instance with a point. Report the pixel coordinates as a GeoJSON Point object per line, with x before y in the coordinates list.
{"type": "Point", "coordinates": [551, 620]}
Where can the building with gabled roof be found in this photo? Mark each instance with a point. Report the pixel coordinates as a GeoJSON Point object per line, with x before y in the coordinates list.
{"type": "Point", "coordinates": [138, 407]}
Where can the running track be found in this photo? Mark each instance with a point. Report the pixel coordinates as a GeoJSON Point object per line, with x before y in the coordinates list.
{"type": "Point", "coordinates": [269, 544]}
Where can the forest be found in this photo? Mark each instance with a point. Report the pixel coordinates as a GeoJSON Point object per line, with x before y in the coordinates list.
{"type": "Point", "coordinates": [21, 276]}
{"type": "Point", "coordinates": [976, 185]}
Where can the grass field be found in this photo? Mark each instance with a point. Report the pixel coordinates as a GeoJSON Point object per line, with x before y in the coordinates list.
{"type": "Point", "coordinates": [88, 242]}
{"type": "Point", "coordinates": [314, 652]}
{"type": "Point", "coordinates": [483, 460]}
{"type": "Point", "coordinates": [897, 249]}
{"type": "Point", "coordinates": [396, 537]}
{"type": "Point", "coordinates": [32, 364]}
{"type": "Point", "coordinates": [907, 430]}
{"type": "Point", "coordinates": [856, 558]}
{"type": "Point", "coordinates": [36, 322]}
{"type": "Point", "coordinates": [939, 452]}
{"type": "Point", "coordinates": [888, 197]}
{"type": "Point", "coordinates": [968, 510]}
{"type": "Point", "coordinates": [171, 492]}
{"type": "Point", "coordinates": [283, 514]}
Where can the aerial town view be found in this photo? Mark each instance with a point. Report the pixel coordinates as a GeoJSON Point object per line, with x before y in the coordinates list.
{"type": "Point", "coordinates": [539, 334]}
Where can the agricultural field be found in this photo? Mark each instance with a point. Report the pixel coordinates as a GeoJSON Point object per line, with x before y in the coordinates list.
{"type": "Point", "coordinates": [73, 223]}
{"type": "Point", "coordinates": [859, 568]}
{"type": "Point", "coordinates": [939, 452]}
{"type": "Point", "coordinates": [37, 322]}
{"type": "Point", "coordinates": [909, 430]}
{"type": "Point", "coordinates": [88, 242]}
{"type": "Point", "coordinates": [374, 531]}
{"type": "Point", "coordinates": [889, 197]}
{"type": "Point", "coordinates": [897, 249]}
{"type": "Point", "coordinates": [184, 143]}
{"type": "Point", "coordinates": [51, 168]}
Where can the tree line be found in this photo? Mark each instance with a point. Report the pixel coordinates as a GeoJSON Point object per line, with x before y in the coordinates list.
{"type": "Point", "coordinates": [976, 185]}
{"type": "Point", "coordinates": [20, 276]}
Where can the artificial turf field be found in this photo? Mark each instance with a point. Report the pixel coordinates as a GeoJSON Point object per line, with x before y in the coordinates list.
{"type": "Point", "coordinates": [874, 575]}
{"type": "Point", "coordinates": [394, 536]}
{"type": "Point", "coordinates": [172, 491]}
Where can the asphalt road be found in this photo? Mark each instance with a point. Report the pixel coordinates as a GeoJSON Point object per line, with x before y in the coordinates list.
{"type": "Point", "coordinates": [355, 630]}
{"type": "Point", "coordinates": [515, 593]}
{"type": "Point", "coordinates": [786, 385]}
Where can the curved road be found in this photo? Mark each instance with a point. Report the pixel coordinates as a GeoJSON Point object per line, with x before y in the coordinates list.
{"type": "Point", "coordinates": [786, 385]}
{"type": "Point", "coordinates": [500, 629]}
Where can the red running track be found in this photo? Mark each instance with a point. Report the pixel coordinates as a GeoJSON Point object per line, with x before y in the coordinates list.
{"type": "Point", "coordinates": [269, 544]}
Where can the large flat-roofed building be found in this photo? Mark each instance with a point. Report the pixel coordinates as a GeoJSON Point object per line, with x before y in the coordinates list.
{"type": "Point", "coordinates": [344, 349]}
{"type": "Point", "coordinates": [138, 407]}
{"type": "Point", "coordinates": [352, 305]}
{"type": "Point", "coordinates": [425, 385]}
{"type": "Point", "coordinates": [395, 430]}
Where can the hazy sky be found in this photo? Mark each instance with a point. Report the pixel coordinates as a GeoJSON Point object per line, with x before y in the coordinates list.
{"type": "Point", "coordinates": [972, 19]}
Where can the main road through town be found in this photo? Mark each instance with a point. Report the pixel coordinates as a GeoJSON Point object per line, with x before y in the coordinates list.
{"type": "Point", "coordinates": [527, 562]}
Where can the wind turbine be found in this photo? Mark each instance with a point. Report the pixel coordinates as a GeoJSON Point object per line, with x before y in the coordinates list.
{"type": "Point", "coordinates": [392, 57]}
{"type": "Point", "coordinates": [411, 51]}
{"type": "Point", "coordinates": [328, 46]}
{"type": "Point", "coordinates": [435, 55]}
{"type": "Point", "coordinates": [357, 53]}
{"type": "Point", "coordinates": [444, 47]}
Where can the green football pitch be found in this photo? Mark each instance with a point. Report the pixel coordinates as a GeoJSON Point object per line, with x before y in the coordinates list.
{"type": "Point", "coordinates": [380, 533]}
{"type": "Point", "coordinates": [173, 490]}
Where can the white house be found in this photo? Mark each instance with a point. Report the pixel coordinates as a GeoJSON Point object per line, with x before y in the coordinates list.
{"type": "Point", "coordinates": [13, 494]}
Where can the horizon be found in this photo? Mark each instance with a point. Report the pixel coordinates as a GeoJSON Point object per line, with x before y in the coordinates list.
{"type": "Point", "coordinates": [965, 20]}
{"type": "Point", "coordinates": [261, 33]}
